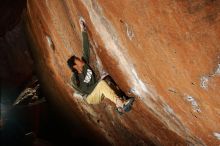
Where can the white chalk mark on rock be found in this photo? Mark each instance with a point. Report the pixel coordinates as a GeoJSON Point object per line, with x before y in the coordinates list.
{"type": "Point", "coordinates": [217, 135]}
{"type": "Point", "coordinates": [168, 109]}
{"type": "Point", "coordinates": [194, 104]}
{"type": "Point", "coordinates": [204, 82]}
{"type": "Point", "coordinates": [138, 83]}
{"type": "Point", "coordinates": [49, 42]}
{"type": "Point", "coordinates": [217, 72]}
{"type": "Point", "coordinates": [129, 30]}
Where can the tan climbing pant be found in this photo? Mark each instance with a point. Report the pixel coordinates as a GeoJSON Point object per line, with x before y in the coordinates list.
{"type": "Point", "coordinates": [101, 91]}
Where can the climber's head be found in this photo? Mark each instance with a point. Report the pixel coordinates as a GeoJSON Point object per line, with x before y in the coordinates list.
{"type": "Point", "coordinates": [75, 63]}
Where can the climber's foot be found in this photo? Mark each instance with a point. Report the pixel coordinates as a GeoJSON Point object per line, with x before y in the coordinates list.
{"type": "Point", "coordinates": [128, 104]}
{"type": "Point", "coordinates": [82, 24]}
{"type": "Point", "coordinates": [126, 107]}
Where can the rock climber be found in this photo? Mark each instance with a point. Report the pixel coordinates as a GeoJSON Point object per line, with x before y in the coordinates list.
{"type": "Point", "coordinates": [84, 79]}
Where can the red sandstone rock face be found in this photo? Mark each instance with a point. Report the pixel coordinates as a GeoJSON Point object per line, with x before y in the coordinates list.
{"type": "Point", "coordinates": [166, 53]}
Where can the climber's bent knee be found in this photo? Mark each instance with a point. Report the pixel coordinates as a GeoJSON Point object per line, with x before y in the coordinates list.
{"type": "Point", "coordinates": [96, 96]}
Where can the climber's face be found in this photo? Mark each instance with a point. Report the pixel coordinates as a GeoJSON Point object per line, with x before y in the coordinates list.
{"type": "Point", "coordinates": [78, 64]}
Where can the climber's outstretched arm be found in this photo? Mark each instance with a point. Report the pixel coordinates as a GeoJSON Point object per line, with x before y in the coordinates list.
{"type": "Point", "coordinates": [86, 51]}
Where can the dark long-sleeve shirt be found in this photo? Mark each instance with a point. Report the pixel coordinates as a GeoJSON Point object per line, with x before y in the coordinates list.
{"type": "Point", "coordinates": [87, 79]}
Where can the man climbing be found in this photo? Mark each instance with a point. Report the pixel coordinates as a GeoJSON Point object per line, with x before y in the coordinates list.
{"type": "Point", "coordinates": [85, 82]}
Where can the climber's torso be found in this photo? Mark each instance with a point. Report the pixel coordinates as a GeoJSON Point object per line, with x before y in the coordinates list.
{"type": "Point", "coordinates": [87, 80]}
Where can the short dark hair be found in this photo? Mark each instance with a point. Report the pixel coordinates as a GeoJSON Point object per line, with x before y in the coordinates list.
{"type": "Point", "coordinates": [71, 61]}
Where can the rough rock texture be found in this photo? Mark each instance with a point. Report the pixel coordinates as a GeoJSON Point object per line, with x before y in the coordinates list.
{"type": "Point", "coordinates": [164, 52]}
{"type": "Point", "coordinates": [16, 62]}
{"type": "Point", "coordinates": [15, 58]}
{"type": "Point", "coordinates": [11, 11]}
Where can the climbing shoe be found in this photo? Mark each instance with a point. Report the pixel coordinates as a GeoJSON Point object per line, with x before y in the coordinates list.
{"type": "Point", "coordinates": [127, 106]}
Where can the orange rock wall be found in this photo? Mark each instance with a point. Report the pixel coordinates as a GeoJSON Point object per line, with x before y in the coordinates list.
{"type": "Point", "coordinates": [165, 53]}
